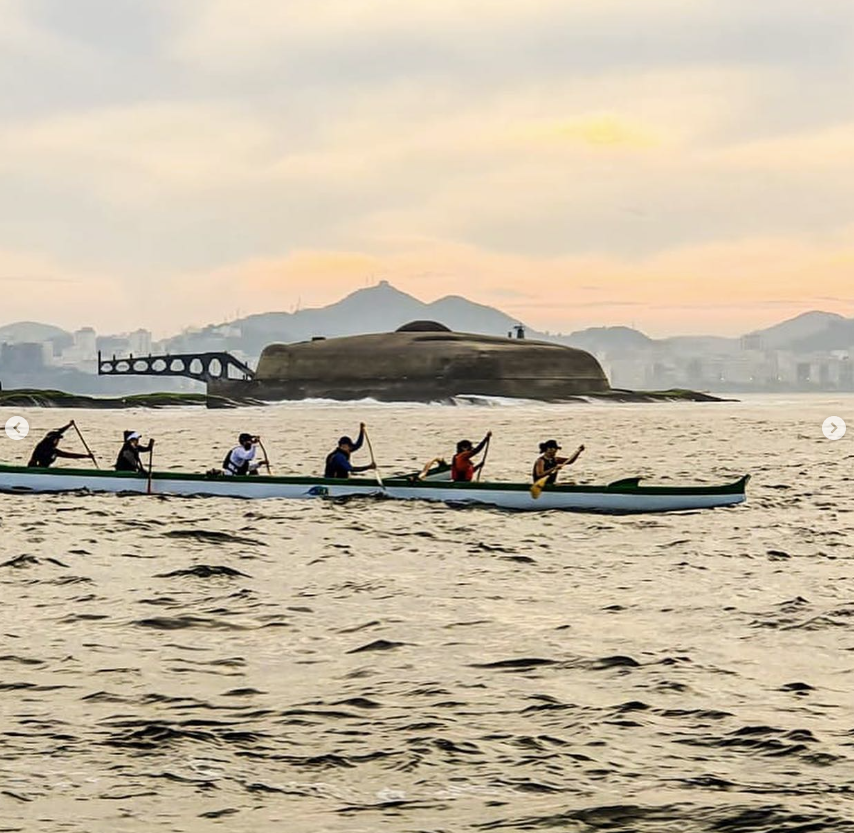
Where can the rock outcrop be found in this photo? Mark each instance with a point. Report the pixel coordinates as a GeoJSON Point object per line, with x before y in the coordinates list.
{"type": "Point", "coordinates": [420, 362]}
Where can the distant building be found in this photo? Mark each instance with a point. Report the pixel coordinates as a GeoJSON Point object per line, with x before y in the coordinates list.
{"type": "Point", "coordinates": [139, 343]}
{"type": "Point", "coordinates": [113, 345]}
{"type": "Point", "coordinates": [27, 357]}
{"type": "Point", "coordinates": [752, 341]}
{"type": "Point", "coordinates": [85, 342]}
{"type": "Point", "coordinates": [846, 375]}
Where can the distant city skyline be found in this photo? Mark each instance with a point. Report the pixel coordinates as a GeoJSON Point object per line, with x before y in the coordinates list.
{"type": "Point", "coordinates": [812, 351]}
{"type": "Point", "coordinates": [682, 167]}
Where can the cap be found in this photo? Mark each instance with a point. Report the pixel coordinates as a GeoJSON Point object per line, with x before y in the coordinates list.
{"type": "Point", "coordinates": [550, 444]}
{"type": "Point", "coordinates": [132, 435]}
{"type": "Point", "coordinates": [245, 438]}
{"type": "Point", "coordinates": [345, 440]}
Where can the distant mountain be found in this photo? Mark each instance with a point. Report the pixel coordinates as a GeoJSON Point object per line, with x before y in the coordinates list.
{"type": "Point", "coordinates": [459, 313]}
{"type": "Point", "coordinates": [29, 331]}
{"type": "Point", "coordinates": [838, 335]}
{"type": "Point", "coordinates": [609, 340]}
{"type": "Point", "coordinates": [382, 308]}
{"type": "Point", "coordinates": [377, 309]}
{"type": "Point", "coordinates": [803, 327]}
{"type": "Point", "coordinates": [808, 332]}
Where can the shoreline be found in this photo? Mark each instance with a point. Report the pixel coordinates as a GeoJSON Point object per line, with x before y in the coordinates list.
{"type": "Point", "coordinates": [34, 398]}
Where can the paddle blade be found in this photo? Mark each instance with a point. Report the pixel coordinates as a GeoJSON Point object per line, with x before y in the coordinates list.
{"type": "Point", "coordinates": [537, 488]}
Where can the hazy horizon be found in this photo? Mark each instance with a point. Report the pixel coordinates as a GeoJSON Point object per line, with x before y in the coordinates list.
{"type": "Point", "coordinates": [226, 322]}
{"type": "Point", "coordinates": [683, 168]}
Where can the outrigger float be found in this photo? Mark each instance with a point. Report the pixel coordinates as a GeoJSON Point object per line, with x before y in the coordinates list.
{"type": "Point", "coordinates": [621, 497]}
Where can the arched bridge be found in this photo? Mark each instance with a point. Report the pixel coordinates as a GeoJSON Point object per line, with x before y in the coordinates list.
{"type": "Point", "coordinates": [203, 367]}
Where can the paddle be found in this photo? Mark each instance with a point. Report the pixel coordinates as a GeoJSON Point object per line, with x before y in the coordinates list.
{"type": "Point", "coordinates": [150, 464]}
{"type": "Point", "coordinates": [89, 450]}
{"type": "Point", "coordinates": [538, 485]}
{"type": "Point", "coordinates": [485, 453]}
{"type": "Point", "coordinates": [266, 457]}
{"type": "Point", "coordinates": [373, 460]}
{"type": "Point", "coordinates": [426, 470]}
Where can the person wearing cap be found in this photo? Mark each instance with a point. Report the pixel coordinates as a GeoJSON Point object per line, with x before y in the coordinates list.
{"type": "Point", "coordinates": [548, 461]}
{"type": "Point", "coordinates": [338, 465]}
{"type": "Point", "coordinates": [462, 468]}
{"type": "Point", "coordinates": [241, 459]}
{"type": "Point", "coordinates": [45, 453]}
{"type": "Point", "coordinates": [128, 458]}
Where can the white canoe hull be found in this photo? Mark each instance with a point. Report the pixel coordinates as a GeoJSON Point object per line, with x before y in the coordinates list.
{"type": "Point", "coordinates": [622, 497]}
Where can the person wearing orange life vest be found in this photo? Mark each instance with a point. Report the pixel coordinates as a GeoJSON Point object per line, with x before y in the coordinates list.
{"type": "Point", "coordinates": [462, 467]}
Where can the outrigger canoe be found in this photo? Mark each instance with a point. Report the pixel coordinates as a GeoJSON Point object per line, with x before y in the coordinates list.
{"type": "Point", "coordinates": [622, 496]}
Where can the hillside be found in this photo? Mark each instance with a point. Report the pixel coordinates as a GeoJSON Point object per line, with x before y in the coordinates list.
{"type": "Point", "coordinates": [806, 326]}
{"type": "Point", "coordinates": [382, 308]}
{"type": "Point", "coordinates": [376, 309]}
{"type": "Point", "coordinates": [24, 331]}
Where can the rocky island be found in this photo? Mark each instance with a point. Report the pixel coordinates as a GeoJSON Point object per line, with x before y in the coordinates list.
{"type": "Point", "coordinates": [423, 361]}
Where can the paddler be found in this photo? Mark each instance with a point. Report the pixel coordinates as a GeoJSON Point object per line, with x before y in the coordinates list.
{"type": "Point", "coordinates": [462, 467]}
{"type": "Point", "coordinates": [128, 459]}
{"type": "Point", "coordinates": [45, 453]}
{"type": "Point", "coordinates": [338, 465]}
{"type": "Point", "coordinates": [241, 459]}
{"type": "Point", "coordinates": [548, 461]}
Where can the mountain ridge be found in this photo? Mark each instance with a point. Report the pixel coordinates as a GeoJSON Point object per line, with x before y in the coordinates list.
{"type": "Point", "coordinates": [383, 307]}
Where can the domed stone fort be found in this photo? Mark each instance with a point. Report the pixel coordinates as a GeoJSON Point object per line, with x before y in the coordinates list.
{"type": "Point", "coordinates": [421, 361]}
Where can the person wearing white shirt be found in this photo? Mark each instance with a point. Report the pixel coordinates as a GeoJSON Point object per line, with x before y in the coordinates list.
{"type": "Point", "coordinates": [241, 459]}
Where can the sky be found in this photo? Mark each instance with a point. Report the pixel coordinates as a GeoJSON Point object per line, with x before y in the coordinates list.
{"type": "Point", "coordinates": [682, 166]}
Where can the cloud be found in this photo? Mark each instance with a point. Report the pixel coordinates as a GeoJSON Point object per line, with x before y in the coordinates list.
{"type": "Point", "coordinates": [718, 288]}
{"type": "Point", "coordinates": [822, 150]}
{"type": "Point", "coordinates": [582, 35]}
{"type": "Point", "coordinates": [728, 288]}
{"type": "Point", "coordinates": [222, 31]}
{"type": "Point", "coordinates": [38, 287]}
{"type": "Point", "coordinates": [599, 130]}
{"type": "Point", "coordinates": [513, 145]}
{"type": "Point", "coordinates": [134, 152]}
{"type": "Point", "coordinates": [21, 35]}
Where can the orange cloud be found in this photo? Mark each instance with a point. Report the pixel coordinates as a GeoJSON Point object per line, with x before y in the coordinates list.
{"type": "Point", "coordinates": [598, 130]}
{"type": "Point", "coordinates": [36, 287]}
{"type": "Point", "coordinates": [723, 288]}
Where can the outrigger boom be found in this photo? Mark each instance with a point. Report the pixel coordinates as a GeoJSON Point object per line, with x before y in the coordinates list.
{"type": "Point", "coordinates": [621, 497]}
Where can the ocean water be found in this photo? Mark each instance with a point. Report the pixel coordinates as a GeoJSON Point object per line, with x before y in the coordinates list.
{"type": "Point", "coordinates": [197, 664]}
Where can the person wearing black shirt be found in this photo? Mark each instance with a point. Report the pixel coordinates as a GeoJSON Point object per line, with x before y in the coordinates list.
{"type": "Point", "coordinates": [338, 463]}
{"type": "Point", "coordinates": [128, 459]}
{"type": "Point", "coordinates": [45, 453]}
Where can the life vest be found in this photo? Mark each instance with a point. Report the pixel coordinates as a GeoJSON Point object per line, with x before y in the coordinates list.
{"type": "Point", "coordinates": [548, 465]}
{"type": "Point", "coordinates": [128, 459]}
{"type": "Point", "coordinates": [44, 454]}
{"type": "Point", "coordinates": [231, 467]}
{"type": "Point", "coordinates": [462, 468]}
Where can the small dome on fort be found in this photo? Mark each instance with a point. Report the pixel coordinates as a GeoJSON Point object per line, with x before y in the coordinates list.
{"type": "Point", "coordinates": [423, 327]}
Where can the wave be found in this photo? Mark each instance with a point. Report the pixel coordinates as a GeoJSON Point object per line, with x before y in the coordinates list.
{"type": "Point", "coordinates": [460, 400]}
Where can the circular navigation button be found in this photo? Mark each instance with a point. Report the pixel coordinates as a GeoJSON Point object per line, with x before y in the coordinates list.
{"type": "Point", "coordinates": [833, 428]}
{"type": "Point", "coordinates": [17, 428]}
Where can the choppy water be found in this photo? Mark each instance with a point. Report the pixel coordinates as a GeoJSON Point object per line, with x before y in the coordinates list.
{"type": "Point", "coordinates": [191, 664]}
